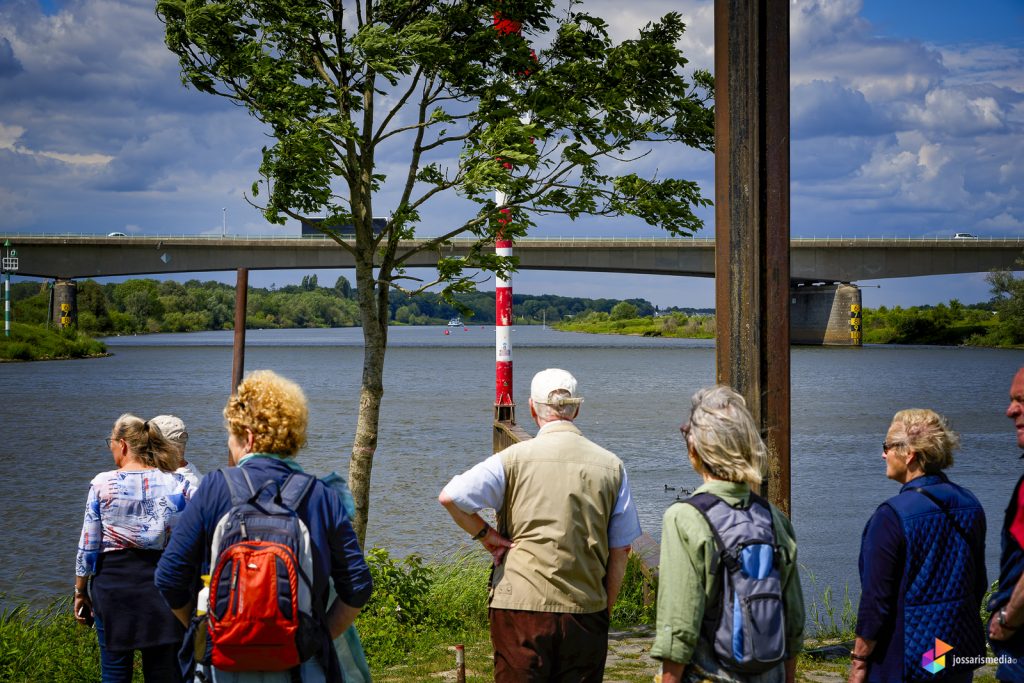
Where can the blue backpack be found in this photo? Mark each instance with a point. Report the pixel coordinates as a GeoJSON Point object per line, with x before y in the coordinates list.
{"type": "Point", "coordinates": [747, 631]}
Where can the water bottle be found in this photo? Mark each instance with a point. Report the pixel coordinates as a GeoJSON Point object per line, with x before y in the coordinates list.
{"type": "Point", "coordinates": [202, 605]}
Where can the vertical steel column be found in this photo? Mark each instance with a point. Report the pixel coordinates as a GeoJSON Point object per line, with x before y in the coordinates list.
{"type": "Point", "coordinates": [241, 302]}
{"type": "Point", "coordinates": [752, 218]}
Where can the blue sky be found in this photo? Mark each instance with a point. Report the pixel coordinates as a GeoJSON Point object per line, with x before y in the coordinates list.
{"type": "Point", "coordinates": [907, 120]}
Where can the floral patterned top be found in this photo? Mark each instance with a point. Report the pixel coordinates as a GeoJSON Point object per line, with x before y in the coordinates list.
{"type": "Point", "coordinates": [129, 509]}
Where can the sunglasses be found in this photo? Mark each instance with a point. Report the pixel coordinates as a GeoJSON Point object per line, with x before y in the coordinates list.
{"type": "Point", "coordinates": [889, 445]}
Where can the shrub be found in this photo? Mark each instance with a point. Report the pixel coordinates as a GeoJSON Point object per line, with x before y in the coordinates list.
{"type": "Point", "coordinates": [636, 604]}
{"type": "Point", "coordinates": [398, 608]}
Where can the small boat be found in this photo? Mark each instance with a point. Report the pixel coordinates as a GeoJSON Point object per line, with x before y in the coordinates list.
{"type": "Point", "coordinates": [455, 322]}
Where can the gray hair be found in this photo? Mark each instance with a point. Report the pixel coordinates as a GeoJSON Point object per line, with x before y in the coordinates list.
{"type": "Point", "coordinates": [561, 406]}
{"type": "Point", "coordinates": [724, 436]}
{"type": "Point", "coordinates": [928, 434]}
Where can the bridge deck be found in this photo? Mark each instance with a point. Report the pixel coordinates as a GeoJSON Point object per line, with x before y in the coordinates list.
{"type": "Point", "coordinates": [812, 258]}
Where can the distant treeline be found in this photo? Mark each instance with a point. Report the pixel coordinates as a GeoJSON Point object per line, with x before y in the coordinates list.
{"type": "Point", "coordinates": [146, 305]}
{"type": "Point", "coordinates": [984, 324]}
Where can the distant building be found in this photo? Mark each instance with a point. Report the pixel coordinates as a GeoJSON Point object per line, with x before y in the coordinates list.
{"type": "Point", "coordinates": [310, 229]}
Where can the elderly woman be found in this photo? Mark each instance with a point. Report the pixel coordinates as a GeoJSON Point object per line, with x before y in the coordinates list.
{"type": "Point", "coordinates": [266, 423]}
{"type": "Point", "coordinates": [726, 450]}
{"type": "Point", "coordinates": [128, 518]}
{"type": "Point", "coordinates": [922, 563]}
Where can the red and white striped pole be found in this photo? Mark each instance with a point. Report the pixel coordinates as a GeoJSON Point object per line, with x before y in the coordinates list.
{"type": "Point", "coordinates": [504, 406]}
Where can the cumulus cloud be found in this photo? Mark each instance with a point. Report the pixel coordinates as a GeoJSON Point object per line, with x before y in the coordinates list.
{"type": "Point", "coordinates": [952, 111]}
{"type": "Point", "coordinates": [891, 135]}
{"type": "Point", "coordinates": [828, 108]}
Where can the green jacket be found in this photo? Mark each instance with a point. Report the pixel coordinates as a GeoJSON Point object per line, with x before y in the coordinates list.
{"type": "Point", "coordinates": [687, 586]}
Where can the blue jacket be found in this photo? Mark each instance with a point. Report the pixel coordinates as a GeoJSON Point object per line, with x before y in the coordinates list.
{"type": "Point", "coordinates": [336, 552]}
{"type": "Point", "coordinates": [1011, 567]}
{"type": "Point", "coordinates": [921, 579]}
{"type": "Point", "coordinates": [1011, 560]}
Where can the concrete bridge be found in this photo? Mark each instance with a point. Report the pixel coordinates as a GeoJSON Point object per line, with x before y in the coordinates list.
{"type": "Point", "coordinates": [825, 307]}
{"type": "Point", "coordinates": [811, 259]}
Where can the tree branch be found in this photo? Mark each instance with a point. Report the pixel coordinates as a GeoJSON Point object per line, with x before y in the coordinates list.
{"type": "Point", "coordinates": [394, 110]}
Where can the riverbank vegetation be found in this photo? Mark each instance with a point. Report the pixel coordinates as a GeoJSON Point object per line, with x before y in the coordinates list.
{"type": "Point", "coordinates": [949, 324]}
{"type": "Point", "coordinates": [38, 342]}
{"type": "Point", "coordinates": [418, 612]}
{"type": "Point", "coordinates": [139, 306]}
{"type": "Point", "coordinates": [623, 319]}
{"type": "Point", "coordinates": [419, 609]}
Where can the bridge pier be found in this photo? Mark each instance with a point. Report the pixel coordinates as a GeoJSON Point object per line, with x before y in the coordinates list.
{"type": "Point", "coordinates": [825, 314]}
{"type": "Point", "coordinates": [65, 304]}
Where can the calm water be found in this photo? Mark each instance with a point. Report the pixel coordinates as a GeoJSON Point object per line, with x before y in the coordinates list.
{"type": "Point", "coordinates": [437, 412]}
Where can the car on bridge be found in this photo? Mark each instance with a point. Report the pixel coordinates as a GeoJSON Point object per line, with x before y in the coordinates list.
{"type": "Point", "coordinates": [964, 236]}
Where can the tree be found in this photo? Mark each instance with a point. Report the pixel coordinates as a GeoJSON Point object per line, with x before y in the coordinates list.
{"type": "Point", "coordinates": [343, 287]}
{"type": "Point", "coordinates": [342, 83]}
{"type": "Point", "coordinates": [623, 311]}
{"type": "Point", "coordinates": [1008, 301]}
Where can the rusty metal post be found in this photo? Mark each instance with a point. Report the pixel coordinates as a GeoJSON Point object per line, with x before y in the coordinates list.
{"type": "Point", "coordinates": [241, 302]}
{"type": "Point", "coordinates": [752, 218]}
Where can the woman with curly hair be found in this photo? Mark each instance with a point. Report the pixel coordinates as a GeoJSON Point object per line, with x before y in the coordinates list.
{"type": "Point", "coordinates": [128, 519]}
{"type": "Point", "coordinates": [266, 423]}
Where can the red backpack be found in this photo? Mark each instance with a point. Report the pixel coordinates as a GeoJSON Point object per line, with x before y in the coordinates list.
{"type": "Point", "coordinates": [260, 613]}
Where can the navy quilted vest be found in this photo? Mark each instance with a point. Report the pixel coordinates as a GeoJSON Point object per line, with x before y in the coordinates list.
{"type": "Point", "coordinates": [943, 573]}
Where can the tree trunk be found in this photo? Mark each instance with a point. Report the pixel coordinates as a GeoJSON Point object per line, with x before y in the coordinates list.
{"type": "Point", "coordinates": [375, 320]}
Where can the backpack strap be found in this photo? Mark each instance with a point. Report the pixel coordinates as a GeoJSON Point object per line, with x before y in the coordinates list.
{"type": "Point", "coordinates": [703, 502]}
{"type": "Point", "coordinates": [295, 488]}
{"type": "Point", "coordinates": [757, 499]}
{"type": "Point", "coordinates": [293, 491]}
{"type": "Point", "coordinates": [239, 484]}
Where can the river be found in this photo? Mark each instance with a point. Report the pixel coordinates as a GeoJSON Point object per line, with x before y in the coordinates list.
{"type": "Point", "coordinates": [436, 423]}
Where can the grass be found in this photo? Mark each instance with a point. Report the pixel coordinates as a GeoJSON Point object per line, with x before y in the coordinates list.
{"type": "Point", "coordinates": [44, 645]}
{"type": "Point", "coordinates": [419, 612]}
{"type": "Point", "coordinates": [37, 342]}
{"type": "Point", "coordinates": [831, 620]}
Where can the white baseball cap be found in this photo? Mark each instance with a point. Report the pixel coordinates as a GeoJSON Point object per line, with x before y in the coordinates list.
{"type": "Point", "coordinates": [173, 428]}
{"type": "Point", "coordinates": [553, 379]}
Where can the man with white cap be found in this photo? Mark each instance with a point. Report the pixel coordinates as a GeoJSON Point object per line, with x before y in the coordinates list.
{"type": "Point", "coordinates": [173, 429]}
{"type": "Point", "coordinates": [565, 524]}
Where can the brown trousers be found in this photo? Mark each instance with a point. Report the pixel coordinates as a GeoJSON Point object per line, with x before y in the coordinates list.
{"type": "Point", "coordinates": [535, 647]}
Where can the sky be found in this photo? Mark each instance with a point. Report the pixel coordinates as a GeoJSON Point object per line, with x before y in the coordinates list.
{"type": "Point", "coordinates": [907, 120]}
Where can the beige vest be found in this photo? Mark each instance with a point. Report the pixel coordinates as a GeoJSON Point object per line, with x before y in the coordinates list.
{"type": "Point", "coordinates": [560, 491]}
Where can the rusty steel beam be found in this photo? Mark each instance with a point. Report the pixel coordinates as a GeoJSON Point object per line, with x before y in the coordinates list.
{"type": "Point", "coordinates": [752, 219]}
{"type": "Point", "coordinates": [241, 303]}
